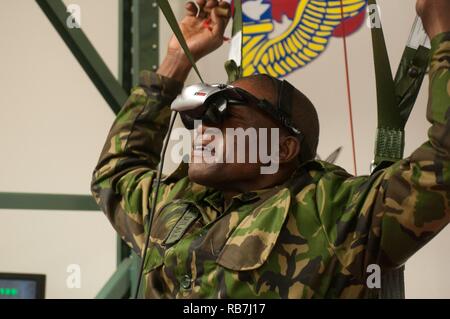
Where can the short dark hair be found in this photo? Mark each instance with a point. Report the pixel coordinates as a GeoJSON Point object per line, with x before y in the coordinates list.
{"type": "Point", "coordinates": [303, 113]}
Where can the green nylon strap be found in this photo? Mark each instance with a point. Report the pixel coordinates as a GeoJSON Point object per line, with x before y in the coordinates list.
{"type": "Point", "coordinates": [233, 70]}
{"type": "Point", "coordinates": [395, 98]}
{"type": "Point", "coordinates": [387, 102]}
{"type": "Point", "coordinates": [389, 144]}
{"type": "Point", "coordinates": [408, 80]}
{"type": "Point", "coordinates": [173, 23]}
{"type": "Point", "coordinates": [237, 18]}
{"type": "Point", "coordinates": [390, 134]}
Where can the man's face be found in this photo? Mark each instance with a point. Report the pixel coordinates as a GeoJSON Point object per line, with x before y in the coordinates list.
{"type": "Point", "coordinates": [204, 170]}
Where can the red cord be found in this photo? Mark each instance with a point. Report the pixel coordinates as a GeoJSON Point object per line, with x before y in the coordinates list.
{"type": "Point", "coordinates": [349, 96]}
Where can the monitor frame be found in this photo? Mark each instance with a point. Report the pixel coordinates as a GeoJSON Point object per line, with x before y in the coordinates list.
{"type": "Point", "coordinates": [39, 279]}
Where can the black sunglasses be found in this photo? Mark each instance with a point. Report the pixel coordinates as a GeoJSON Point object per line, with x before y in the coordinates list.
{"type": "Point", "coordinates": [215, 109]}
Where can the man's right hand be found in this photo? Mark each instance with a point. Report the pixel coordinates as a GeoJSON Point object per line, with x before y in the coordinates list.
{"type": "Point", "coordinates": [203, 33]}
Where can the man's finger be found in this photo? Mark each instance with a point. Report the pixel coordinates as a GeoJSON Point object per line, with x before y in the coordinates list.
{"type": "Point", "coordinates": [195, 8]}
{"type": "Point", "coordinates": [191, 9]}
{"type": "Point", "coordinates": [224, 4]}
{"type": "Point", "coordinates": [221, 5]}
{"type": "Point", "coordinates": [201, 3]}
{"type": "Point", "coordinates": [210, 4]}
{"type": "Point", "coordinates": [220, 20]}
{"type": "Point", "coordinates": [222, 9]}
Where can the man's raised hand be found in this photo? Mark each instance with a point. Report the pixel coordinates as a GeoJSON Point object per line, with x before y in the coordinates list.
{"type": "Point", "coordinates": [435, 15]}
{"type": "Point", "coordinates": [203, 27]}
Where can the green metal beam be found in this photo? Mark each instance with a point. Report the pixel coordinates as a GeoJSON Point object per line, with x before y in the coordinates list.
{"type": "Point", "coordinates": [118, 286]}
{"type": "Point", "coordinates": [37, 201]}
{"type": "Point", "coordinates": [134, 273]}
{"type": "Point", "coordinates": [85, 53]}
{"type": "Point", "coordinates": [145, 42]}
{"type": "Point", "coordinates": [125, 44]}
{"type": "Point", "coordinates": [138, 39]}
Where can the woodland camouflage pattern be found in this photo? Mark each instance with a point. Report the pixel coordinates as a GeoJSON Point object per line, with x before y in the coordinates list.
{"type": "Point", "coordinates": [312, 237]}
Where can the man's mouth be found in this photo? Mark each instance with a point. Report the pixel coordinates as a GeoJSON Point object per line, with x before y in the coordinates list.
{"type": "Point", "coordinates": [204, 151]}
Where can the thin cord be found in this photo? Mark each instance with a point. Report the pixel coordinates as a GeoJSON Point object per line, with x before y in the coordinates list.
{"type": "Point", "coordinates": [158, 183]}
{"type": "Point", "coordinates": [349, 96]}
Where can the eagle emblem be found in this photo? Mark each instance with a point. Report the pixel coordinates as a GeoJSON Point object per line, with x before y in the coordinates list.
{"type": "Point", "coordinates": [281, 36]}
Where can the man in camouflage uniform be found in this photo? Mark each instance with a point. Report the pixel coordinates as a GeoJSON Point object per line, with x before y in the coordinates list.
{"type": "Point", "coordinates": [308, 231]}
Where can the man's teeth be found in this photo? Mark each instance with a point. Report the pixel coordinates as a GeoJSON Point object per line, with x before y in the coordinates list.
{"type": "Point", "coordinates": [203, 148]}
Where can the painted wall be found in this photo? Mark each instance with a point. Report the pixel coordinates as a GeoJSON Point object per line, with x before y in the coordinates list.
{"type": "Point", "coordinates": [54, 122]}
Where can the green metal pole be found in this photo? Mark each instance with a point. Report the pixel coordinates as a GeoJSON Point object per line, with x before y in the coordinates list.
{"type": "Point", "coordinates": [125, 44]}
{"type": "Point", "coordinates": [118, 286]}
{"type": "Point", "coordinates": [35, 201]}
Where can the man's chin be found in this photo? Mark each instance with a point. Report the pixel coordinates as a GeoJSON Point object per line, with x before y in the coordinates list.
{"type": "Point", "coordinates": [205, 174]}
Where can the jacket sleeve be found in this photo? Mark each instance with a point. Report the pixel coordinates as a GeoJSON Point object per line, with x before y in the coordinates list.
{"type": "Point", "coordinates": [389, 216]}
{"type": "Point", "coordinates": [122, 180]}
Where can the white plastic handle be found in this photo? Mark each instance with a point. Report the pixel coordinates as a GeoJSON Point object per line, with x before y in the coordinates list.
{"type": "Point", "coordinates": [418, 36]}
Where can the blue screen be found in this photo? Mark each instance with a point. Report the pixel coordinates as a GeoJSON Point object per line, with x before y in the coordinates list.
{"type": "Point", "coordinates": [17, 289]}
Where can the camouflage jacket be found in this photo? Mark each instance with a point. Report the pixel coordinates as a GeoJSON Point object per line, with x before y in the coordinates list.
{"type": "Point", "coordinates": [312, 237]}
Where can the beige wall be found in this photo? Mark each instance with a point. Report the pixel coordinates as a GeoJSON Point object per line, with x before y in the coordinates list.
{"type": "Point", "coordinates": [55, 123]}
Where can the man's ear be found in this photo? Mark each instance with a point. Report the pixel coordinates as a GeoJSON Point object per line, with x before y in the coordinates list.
{"type": "Point", "coordinates": [289, 149]}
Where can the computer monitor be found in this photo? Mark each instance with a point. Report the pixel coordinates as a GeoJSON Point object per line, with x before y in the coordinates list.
{"type": "Point", "coordinates": [22, 286]}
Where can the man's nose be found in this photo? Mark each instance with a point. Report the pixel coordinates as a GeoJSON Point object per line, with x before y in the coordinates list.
{"type": "Point", "coordinates": [202, 133]}
{"type": "Point", "coordinates": [201, 128]}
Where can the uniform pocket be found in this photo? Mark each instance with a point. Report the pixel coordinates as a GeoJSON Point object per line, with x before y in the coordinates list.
{"type": "Point", "coordinates": [251, 242]}
{"type": "Point", "coordinates": [170, 224]}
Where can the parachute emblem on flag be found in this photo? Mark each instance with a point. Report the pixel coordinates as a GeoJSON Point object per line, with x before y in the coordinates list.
{"type": "Point", "coordinates": [281, 36]}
